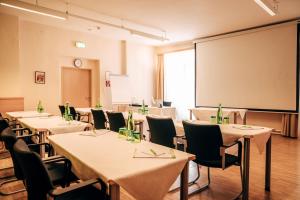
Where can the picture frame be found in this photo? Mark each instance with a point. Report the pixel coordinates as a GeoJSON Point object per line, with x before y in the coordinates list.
{"type": "Point", "coordinates": [39, 77]}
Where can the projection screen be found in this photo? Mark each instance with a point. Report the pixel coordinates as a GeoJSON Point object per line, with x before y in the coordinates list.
{"type": "Point", "coordinates": [255, 69]}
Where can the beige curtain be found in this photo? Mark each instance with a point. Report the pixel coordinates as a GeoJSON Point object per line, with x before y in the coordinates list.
{"type": "Point", "coordinates": [290, 125]}
{"type": "Point", "coordinates": [160, 77]}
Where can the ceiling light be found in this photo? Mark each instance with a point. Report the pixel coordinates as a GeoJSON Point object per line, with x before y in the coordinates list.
{"type": "Point", "coordinates": [264, 4]}
{"type": "Point", "coordinates": [148, 35]}
{"type": "Point", "coordinates": [33, 9]}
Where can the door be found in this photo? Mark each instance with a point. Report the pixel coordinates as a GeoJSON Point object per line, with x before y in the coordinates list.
{"type": "Point", "coordinates": [76, 86]}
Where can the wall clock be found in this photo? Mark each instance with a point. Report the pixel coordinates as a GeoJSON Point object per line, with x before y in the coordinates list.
{"type": "Point", "coordinates": [77, 62]}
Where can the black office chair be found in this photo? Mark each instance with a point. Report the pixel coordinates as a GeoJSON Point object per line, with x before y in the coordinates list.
{"type": "Point", "coordinates": [167, 103]}
{"type": "Point", "coordinates": [206, 142]}
{"type": "Point", "coordinates": [61, 109]}
{"type": "Point", "coordinates": [4, 123]}
{"type": "Point", "coordinates": [58, 166]}
{"type": "Point", "coordinates": [99, 119]}
{"type": "Point", "coordinates": [116, 121]}
{"type": "Point", "coordinates": [39, 184]}
{"type": "Point", "coordinates": [74, 114]}
{"type": "Point", "coordinates": [163, 132]}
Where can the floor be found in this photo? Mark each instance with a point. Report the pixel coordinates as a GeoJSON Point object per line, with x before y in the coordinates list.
{"type": "Point", "coordinates": [285, 180]}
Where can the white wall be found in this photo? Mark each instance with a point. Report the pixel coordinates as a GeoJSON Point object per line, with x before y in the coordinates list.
{"type": "Point", "coordinates": [41, 48]}
{"type": "Point", "coordinates": [9, 57]}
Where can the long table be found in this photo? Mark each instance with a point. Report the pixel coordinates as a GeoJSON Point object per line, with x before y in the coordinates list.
{"type": "Point", "coordinates": [104, 155]}
{"type": "Point", "coordinates": [25, 114]}
{"type": "Point", "coordinates": [204, 113]}
{"type": "Point", "coordinates": [261, 136]}
{"type": "Point", "coordinates": [51, 125]}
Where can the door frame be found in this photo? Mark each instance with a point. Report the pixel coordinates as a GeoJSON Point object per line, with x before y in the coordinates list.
{"type": "Point", "coordinates": [73, 68]}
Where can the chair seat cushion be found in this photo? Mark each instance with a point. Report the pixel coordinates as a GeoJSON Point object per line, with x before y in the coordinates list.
{"type": "Point", "coordinates": [87, 193]}
{"type": "Point", "coordinates": [229, 160]}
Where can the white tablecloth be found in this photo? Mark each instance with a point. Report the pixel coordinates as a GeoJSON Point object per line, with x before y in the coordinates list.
{"type": "Point", "coordinates": [53, 124]}
{"type": "Point", "coordinates": [233, 132]}
{"type": "Point", "coordinates": [26, 114]}
{"type": "Point", "coordinates": [205, 113]}
{"type": "Point", "coordinates": [83, 111]}
{"type": "Point", "coordinates": [111, 158]}
{"type": "Point", "coordinates": [164, 111]}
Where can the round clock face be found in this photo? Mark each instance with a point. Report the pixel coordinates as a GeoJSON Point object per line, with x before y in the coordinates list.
{"type": "Point", "coordinates": [77, 62]}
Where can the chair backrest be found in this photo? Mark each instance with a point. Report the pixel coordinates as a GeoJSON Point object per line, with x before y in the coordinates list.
{"type": "Point", "coordinates": [167, 103]}
{"type": "Point", "coordinates": [73, 112]}
{"type": "Point", "coordinates": [203, 140]}
{"type": "Point", "coordinates": [116, 120]}
{"type": "Point", "coordinates": [37, 179]}
{"type": "Point", "coordinates": [162, 131]}
{"type": "Point", "coordinates": [9, 138]}
{"type": "Point", "coordinates": [99, 119]}
{"type": "Point", "coordinates": [62, 109]}
{"type": "Point", "coordinates": [3, 125]}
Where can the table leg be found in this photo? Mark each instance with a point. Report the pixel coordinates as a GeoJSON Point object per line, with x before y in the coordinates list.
{"type": "Point", "coordinates": [234, 118]}
{"type": "Point", "coordinates": [268, 164]}
{"type": "Point", "coordinates": [114, 191]}
{"type": "Point", "coordinates": [245, 119]}
{"type": "Point", "coordinates": [184, 182]}
{"type": "Point", "coordinates": [246, 165]}
{"type": "Point", "coordinates": [42, 136]}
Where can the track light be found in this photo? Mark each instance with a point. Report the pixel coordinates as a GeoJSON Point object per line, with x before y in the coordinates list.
{"type": "Point", "coordinates": [264, 4]}
{"type": "Point", "coordinates": [33, 9]}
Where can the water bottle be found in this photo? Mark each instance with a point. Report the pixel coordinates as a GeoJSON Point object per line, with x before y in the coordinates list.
{"type": "Point", "coordinates": [219, 115]}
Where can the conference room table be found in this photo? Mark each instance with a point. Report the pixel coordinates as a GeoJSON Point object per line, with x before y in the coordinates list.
{"type": "Point", "coordinates": [204, 113]}
{"type": "Point", "coordinates": [261, 136]}
{"type": "Point", "coordinates": [133, 166]}
{"type": "Point", "coordinates": [25, 114]}
{"type": "Point", "coordinates": [47, 125]}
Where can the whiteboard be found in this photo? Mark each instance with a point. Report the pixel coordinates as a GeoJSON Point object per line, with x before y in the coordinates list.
{"type": "Point", "coordinates": [256, 70]}
{"type": "Point", "coordinates": [120, 89]}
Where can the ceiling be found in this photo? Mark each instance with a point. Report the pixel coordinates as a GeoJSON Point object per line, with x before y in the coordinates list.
{"type": "Point", "coordinates": [181, 20]}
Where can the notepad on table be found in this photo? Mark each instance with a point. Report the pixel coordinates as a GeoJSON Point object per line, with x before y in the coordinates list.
{"type": "Point", "coordinates": [152, 153]}
{"type": "Point", "coordinates": [247, 127]}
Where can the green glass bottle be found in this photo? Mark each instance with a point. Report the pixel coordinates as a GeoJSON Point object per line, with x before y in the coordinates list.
{"type": "Point", "coordinates": [67, 113]}
{"type": "Point", "coordinates": [219, 115]}
{"type": "Point", "coordinates": [40, 108]}
{"type": "Point", "coordinates": [130, 127]}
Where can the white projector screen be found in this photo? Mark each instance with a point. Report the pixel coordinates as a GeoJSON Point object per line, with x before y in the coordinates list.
{"type": "Point", "coordinates": [254, 70]}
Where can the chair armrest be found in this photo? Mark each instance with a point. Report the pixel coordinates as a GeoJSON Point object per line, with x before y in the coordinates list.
{"type": "Point", "coordinates": [230, 145]}
{"type": "Point", "coordinates": [223, 150]}
{"type": "Point", "coordinates": [39, 144]}
{"type": "Point", "coordinates": [26, 136]}
{"type": "Point", "coordinates": [58, 159]}
{"type": "Point", "coordinates": [62, 191]}
{"type": "Point", "coordinates": [21, 130]}
{"type": "Point", "coordinates": [48, 159]}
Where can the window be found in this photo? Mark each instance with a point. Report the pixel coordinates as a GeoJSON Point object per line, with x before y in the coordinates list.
{"type": "Point", "coordinates": [179, 81]}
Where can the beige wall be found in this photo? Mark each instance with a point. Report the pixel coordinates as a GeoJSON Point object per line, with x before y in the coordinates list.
{"type": "Point", "coordinates": [9, 57]}
{"type": "Point", "coordinates": [44, 48]}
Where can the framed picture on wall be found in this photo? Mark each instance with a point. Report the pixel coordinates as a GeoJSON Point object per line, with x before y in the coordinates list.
{"type": "Point", "coordinates": [39, 77]}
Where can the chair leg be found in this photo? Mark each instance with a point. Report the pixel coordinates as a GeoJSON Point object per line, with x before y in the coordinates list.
{"type": "Point", "coordinates": [204, 187]}
{"type": "Point", "coordinates": [9, 193]}
{"type": "Point", "coordinates": [241, 193]}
